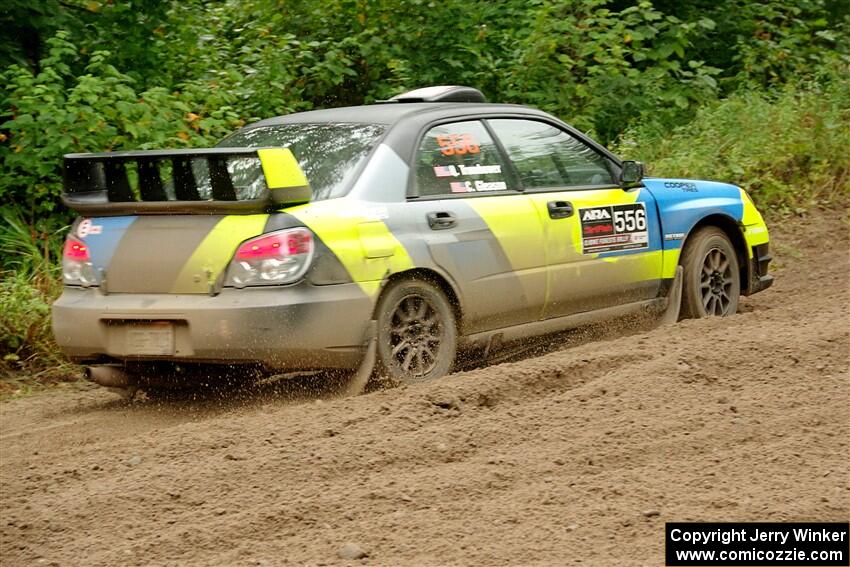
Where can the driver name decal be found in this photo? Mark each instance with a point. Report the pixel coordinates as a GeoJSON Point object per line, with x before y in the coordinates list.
{"type": "Point", "coordinates": [613, 227]}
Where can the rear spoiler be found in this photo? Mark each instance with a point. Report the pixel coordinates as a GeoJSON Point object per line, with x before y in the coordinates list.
{"type": "Point", "coordinates": [206, 180]}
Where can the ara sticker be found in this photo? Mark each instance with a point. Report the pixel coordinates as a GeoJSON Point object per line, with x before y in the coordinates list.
{"type": "Point", "coordinates": [87, 227]}
{"type": "Point", "coordinates": [614, 227]}
{"type": "Point", "coordinates": [457, 170]}
{"type": "Point", "coordinates": [458, 145]}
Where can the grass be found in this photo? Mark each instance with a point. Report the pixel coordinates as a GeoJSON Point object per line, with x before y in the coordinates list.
{"type": "Point", "coordinates": [31, 281]}
{"type": "Point", "coordinates": [788, 149]}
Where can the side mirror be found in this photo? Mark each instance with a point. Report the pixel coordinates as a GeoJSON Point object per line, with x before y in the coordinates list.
{"type": "Point", "coordinates": [631, 174]}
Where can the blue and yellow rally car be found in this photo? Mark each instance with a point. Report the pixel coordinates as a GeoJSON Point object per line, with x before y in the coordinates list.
{"type": "Point", "coordinates": [392, 235]}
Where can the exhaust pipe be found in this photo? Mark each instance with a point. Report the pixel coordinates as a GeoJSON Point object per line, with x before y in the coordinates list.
{"type": "Point", "coordinates": [109, 375]}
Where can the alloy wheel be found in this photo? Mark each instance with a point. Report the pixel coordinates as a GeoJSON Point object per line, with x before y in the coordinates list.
{"type": "Point", "coordinates": [716, 283]}
{"type": "Point", "coordinates": [415, 335]}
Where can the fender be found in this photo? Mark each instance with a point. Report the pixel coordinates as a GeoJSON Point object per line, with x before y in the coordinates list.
{"type": "Point", "coordinates": [683, 203]}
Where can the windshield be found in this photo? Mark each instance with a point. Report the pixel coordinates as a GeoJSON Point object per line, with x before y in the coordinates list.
{"type": "Point", "coordinates": [328, 153]}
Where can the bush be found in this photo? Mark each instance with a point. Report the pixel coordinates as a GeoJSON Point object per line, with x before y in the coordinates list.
{"type": "Point", "coordinates": [601, 69]}
{"type": "Point", "coordinates": [25, 335]}
{"type": "Point", "coordinates": [31, 281]}
{"type": "Point", "coordinates": [788, 148]}
{"type": "Point", "coordinates": [54, 112]}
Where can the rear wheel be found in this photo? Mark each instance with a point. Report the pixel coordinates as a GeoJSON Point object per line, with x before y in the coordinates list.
{"type": "Point", "coordinates": [417, 334]}
{"type": "Point", "coordinates": [712, 278]}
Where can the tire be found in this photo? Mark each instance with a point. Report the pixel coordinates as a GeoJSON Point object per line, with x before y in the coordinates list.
{"type": "Point", "coordinates": [417, 332]}
{"type": "Point", "coordinates": [711, 284]}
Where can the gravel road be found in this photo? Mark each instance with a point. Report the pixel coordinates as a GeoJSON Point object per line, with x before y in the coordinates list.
{"type": "Point", "coordinates": [576, 454]}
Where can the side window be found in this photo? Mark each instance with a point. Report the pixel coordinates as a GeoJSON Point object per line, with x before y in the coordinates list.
{"type": "Point", "coordinates": [460, 157]}
{"type": "Point", "coordinates": [545, 156]}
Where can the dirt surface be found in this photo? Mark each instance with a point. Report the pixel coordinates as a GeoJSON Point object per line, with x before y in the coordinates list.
{"type": "Point", "coordinates": [576, 456]}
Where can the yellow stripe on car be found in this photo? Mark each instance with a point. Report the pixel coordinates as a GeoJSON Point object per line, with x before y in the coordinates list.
{"type": "Point", "coordinates": [669, 262]}
{"type": "Point", "coordinates": [211, 256]}
{"type": "Point", "coordinates": [281, 169]}
{"type": "Point", "coordinates": [359, 238]}
{"type": "Point", "coordinates": [504, 216]}
{"type": "Point", "coordinates": [285, 179]}
{"type": "Point", "coordinates": [755, 229]}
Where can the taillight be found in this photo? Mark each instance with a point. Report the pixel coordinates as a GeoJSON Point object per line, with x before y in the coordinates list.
{"type": "Point", "coordinates": [271, 259]}
{"type": "Point", "coordinates": [77, 268]}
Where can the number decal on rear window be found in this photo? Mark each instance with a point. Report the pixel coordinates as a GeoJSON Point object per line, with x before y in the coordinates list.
{"type": "Point", "coordinates": [613, 227]}
{"type": "Point", "coordinates": [458, 144]}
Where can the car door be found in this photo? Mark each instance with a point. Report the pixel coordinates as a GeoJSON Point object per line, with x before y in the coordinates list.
{"type": "Point", "coordinates": [479, 229]}
{"type": "Point", "coordinates": [602, 242]}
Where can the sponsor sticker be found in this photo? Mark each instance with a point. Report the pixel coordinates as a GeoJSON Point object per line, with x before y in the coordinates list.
{"type": "Point", "coordinates": [479, 169]}
{"type": "Point", "coordinates": [458, 170]}
{"type": "Point", "coordinates": [477, 186]}
{"type": "Point", "coordinates": [87, 227]}
{"type": "Point", "coordinates": [683, 185]}
{"type": "Point", "coordinates": [613, 227]}
{"type": "Point", "coordinates": [490, 185]}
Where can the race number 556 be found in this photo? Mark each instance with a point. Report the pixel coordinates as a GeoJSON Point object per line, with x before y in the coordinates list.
{"type": "Point", "coordinates": [630, 220]}
{"type": "Point", "coordinates": [457, 144]}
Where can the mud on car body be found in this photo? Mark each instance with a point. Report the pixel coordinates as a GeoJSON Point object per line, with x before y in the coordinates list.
{"type": "Point", "coordinates": [395, 233]}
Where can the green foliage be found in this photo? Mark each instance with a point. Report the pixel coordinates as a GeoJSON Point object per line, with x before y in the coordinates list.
{"type": "Point", "coordinates": [123, 28]}
{"type": "Point", "coordinates": [25, 328]}
{"type": "Point", "coordinates": [53, 112]}
{"type": "Point", "coordinates": [763, 42]}
{"type": "Point", "coordinates": [775, 41]}
{"type": "Point", "coordinates": [277, 59]}
{"type": "Point", "coordinates": [25, 25]}
{"type": "Point", "coordinates": [30, 282]}
{"type": "Point", "coordinates": [606, 69]}
{"type": "Point", "coordinates": [788, 149]}
{"type": "Point", "coordinates": [28, 249]}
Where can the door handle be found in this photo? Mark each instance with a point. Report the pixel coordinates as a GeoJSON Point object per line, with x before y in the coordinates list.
{"type": "Point", "coordinates": [441, 220]}
{"type": "Point", "coordinates": [559, 209]}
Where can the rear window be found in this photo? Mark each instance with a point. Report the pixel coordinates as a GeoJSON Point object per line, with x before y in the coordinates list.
{"type": "Point", "coordinates": [327, 153]}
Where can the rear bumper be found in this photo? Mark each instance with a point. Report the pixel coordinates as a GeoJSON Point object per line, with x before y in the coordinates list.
{"type": "Point", "coordinates": [760, 280]}
{"type": "Point", "coordinates": [295, 327]}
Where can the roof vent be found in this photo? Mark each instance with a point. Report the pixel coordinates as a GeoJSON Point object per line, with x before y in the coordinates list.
{"type": "Point", "coordinates": [444, 93]}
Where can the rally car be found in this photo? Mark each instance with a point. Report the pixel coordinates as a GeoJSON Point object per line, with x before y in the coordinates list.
{"type": "Point", "coordinates": [384, 239]}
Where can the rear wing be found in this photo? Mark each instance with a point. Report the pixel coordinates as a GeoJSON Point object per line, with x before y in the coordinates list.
{"type": "Point", "coordinates": [207, 180]}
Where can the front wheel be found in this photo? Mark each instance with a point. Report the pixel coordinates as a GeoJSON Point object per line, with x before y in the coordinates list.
{"type": "Point", "coordinates": [712, 278]}
{"type": "Point", "coordinates": [417, 333]}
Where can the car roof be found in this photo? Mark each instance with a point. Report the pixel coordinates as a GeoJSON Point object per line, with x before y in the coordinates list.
{"type": "Point", "coordinates": [392, 112]}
